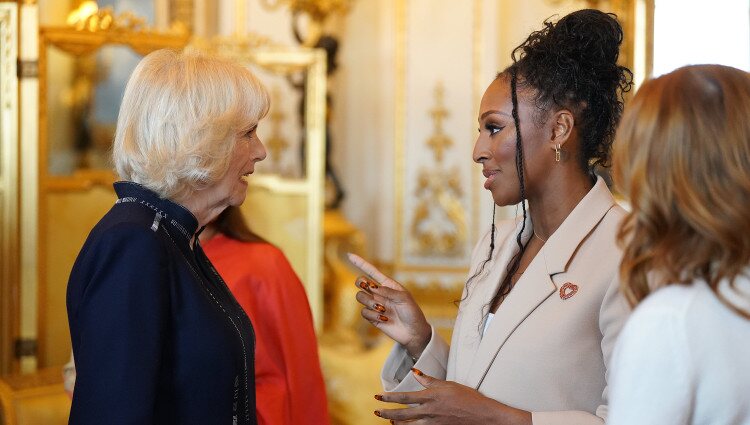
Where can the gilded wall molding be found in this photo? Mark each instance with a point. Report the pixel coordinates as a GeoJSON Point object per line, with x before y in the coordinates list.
{"type": "Point", "coordinates": [438, 224]}
{"type": "Point", "coordinates": [465, 209]}
{"type": "Point", "coordinates": [9, 190]}
{"type": "Point", "coordinates": [399, 124]}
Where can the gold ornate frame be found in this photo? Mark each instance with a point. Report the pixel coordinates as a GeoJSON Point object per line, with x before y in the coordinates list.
{"type": "Point", "coordinates": [9, 258]}
{"type": "Point", "coordinates": [76, 42]}
{"type": "Point", "coordinates": [281, 60]}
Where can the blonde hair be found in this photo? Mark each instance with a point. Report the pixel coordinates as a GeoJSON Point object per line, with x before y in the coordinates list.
{"type": "Point", "coordinates": [180, 117]}
{"type": "Point", "coordinates": [682, 156]}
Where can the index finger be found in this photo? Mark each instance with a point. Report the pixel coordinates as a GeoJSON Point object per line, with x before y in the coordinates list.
{"type": "Point", "coordinates": [368, 268]}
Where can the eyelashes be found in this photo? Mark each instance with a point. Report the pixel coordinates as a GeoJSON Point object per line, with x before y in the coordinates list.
{"type": "Point", "coordinates": [492, 128]}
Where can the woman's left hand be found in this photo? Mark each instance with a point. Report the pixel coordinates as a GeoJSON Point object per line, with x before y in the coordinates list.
{"type": "Point", "coordinates": [450, 403]}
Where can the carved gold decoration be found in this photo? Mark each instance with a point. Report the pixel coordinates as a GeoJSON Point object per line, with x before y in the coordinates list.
{"type": "Point", "coordinates": [317, 10]}
{"type": "Point", "coordinates": [9, 190]}
{"type": "Point", "coordinates": [276, 143]}
{"type": "Point", "coordinates": [90, 32]}
{"type": "Point", "coordinates": [438, 223]}
{"type": "Point", "coordinates": [181, 13]}
{"type": "Point", "coordinates": [439, 141]}
{"type": "Point", "coordinates": [89, 17]}
{"type": "Point", "coordinates": [342, 319]}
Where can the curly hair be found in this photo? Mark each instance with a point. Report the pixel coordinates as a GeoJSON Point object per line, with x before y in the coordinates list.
{"type": "Point", "coordinates": [683, 158]}
{"type": "Point", "coordinates": [572, 64]}
{"type": "Point", "coordinates": [569, 64]}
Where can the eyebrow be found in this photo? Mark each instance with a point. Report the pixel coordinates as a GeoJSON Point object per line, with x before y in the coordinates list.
{"type": "Point", "coordinates": [493, 111]}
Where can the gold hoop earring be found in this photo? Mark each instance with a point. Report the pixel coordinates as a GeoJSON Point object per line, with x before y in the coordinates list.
{"type": "Point", "coordinates": [557, 152]}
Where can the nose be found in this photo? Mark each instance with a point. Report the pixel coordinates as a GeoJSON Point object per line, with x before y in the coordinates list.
{"type": "Point", "coordinates": [259, 152]}
{"type": "Point", "coordinates": [480, 152]}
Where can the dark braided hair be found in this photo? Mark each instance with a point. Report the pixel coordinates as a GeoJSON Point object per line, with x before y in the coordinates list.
{"type": "Point", "coordinates": [570, 64]}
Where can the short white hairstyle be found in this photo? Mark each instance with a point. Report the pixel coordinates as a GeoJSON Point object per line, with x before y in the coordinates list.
{"type": "Point", "coordinates": [180, 117]}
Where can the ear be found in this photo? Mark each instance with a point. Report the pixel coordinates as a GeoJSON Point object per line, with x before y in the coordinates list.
{"type": "Point", "coordinates": [563, 123]}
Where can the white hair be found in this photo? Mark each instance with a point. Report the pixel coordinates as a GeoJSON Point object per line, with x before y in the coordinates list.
{"type": "Point", "coordinates": [180, 117]}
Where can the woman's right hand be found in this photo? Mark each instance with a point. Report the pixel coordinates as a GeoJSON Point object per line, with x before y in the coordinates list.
{"type": "Point", "coordinates": [391, 308]}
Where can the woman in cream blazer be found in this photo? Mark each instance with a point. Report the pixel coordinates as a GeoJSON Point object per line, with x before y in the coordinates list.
{"type": "Point", "coordinates": [547, 348]}
{"type": "Point", "coordinates": [541, 310]}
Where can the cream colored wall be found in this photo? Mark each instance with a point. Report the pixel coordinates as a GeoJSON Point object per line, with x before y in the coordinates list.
{"type": "Point", "coordinates": [446, 42]}
{"type": "Point", "coordinates": [381, 102]}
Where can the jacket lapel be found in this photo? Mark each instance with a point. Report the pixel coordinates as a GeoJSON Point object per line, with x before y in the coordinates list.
{"type": "Point", "coordinates": [476, 306]}
{"type": "Point", "coordinates": [532, 289]}
{"type": "Point", "coordinates": [584, 218]}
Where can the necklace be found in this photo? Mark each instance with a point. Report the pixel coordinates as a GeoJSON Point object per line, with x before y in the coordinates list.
{"type": "Point", "coordinates": [539, 237]}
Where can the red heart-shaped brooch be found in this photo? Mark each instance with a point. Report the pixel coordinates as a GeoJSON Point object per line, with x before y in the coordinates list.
{"type": "Point", "coordinates": [568, 290]}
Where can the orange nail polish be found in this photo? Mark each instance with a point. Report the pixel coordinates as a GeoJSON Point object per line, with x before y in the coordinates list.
{"type": "Point", "coordinates": [383, 318]}
{"type": "Point", "coordinates": [378, 397]}
{"type": "Point", "coordinates": [377, 413]}
{"type": "Point", "coordinates": [373, 285]}
{"type": "Point", "coordinates": [417, 371]}
{"type": "Point", "coordinates": [380, 308]}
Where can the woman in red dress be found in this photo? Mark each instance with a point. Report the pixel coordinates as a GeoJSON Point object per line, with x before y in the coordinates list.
{"type": "Point", "coordinates": [288, 379]}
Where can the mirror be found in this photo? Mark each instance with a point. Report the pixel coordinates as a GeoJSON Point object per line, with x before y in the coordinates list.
{"type": "Point", "coordinates": [82, 75]}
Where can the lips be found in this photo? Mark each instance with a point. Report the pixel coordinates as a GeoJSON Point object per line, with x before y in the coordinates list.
{"type": "Point", "coordinates": [490, 175]}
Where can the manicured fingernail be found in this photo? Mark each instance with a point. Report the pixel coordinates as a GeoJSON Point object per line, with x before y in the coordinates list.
{"type": "Point", "coordinates": [417, 371]}
{"type": "Point", "coordinates": [373, 285]}
{"type": "Point", "coordinates": [377, 413]}
{"type": "Point", "coordinates": [362, 282]}
{"type": "Point", "coordinates": [380, 308]}
{"type": "Point", "coordinates": [378, 397]}
{"type": "Point", "coordinates": [383, 318]}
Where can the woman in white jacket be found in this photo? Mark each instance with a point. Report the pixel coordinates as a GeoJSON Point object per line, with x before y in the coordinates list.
{"type": "Point", "coordinates": [683, 157]}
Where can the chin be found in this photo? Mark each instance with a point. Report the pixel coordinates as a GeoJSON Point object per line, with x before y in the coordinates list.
{"type": "Point", "coordinates": [505, 199]}
{"type": "Point", "coordinates": [236, 201]}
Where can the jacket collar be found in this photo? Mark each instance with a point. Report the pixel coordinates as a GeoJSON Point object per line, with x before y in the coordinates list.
{"type": "Point", "coordinates": [171, 212]}
{"type": "Point", "coordinates": [584, 218]}
{"type": "Point", "coordinates": [531, 290]}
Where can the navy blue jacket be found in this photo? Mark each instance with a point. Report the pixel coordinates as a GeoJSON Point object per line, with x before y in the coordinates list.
{"type": "Point", "coordinates": [157, 336]}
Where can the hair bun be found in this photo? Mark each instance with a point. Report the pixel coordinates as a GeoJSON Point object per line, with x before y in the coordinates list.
{"type": "Point", "coordinates": [573, 63]}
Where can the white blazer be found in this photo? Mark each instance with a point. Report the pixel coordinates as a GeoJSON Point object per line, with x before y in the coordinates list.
{"type": "Point", "coordinates": [547, 349]}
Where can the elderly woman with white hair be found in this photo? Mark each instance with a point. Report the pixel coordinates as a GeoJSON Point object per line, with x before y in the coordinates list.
{"type": "Point", "coordinates": [157, 336]}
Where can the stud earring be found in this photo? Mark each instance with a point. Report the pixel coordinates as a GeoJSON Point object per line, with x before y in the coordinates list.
{"type": "Point", "coordinates": [557, 152]}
